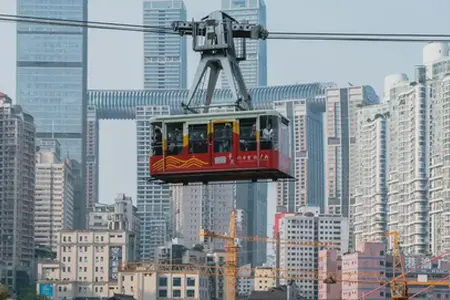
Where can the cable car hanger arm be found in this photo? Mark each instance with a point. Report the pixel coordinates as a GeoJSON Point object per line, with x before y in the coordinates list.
{"type": "Point", "coordinates": [213, 37]}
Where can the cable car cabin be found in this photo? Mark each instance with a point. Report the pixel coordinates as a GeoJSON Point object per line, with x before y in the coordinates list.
{"type": "Point", "coordinates": [227, 146]}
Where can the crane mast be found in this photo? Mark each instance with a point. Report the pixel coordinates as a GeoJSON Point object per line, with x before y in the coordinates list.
{"type": "Point", "coordinates": [214, 38]}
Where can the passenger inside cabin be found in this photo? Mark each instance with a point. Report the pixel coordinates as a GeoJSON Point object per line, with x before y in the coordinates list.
{"type": "Point", "coordinates": [157, 141]}
{"type": "Point", "coordinates": [227, 138]}
{"type": "Point", "coordinates": [267, 137]}
{"type": "Point", "coordinates": [248, 137]}
{"type": "Point", "coordinates": [175, 141]}
{"type": "Point", "coordinates": [223, 138]}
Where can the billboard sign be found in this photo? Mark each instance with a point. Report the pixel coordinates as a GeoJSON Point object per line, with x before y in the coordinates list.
{"type": "Point", "coordinates": [46, 289]}
{"type": "Point", "coordinates": [115, 259]}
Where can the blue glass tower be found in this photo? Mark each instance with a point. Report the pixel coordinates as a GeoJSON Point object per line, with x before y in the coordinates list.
{"type": "Point", "coordinates": [52, 75]}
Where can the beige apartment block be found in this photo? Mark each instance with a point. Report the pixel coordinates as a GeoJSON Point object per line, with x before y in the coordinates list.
{"type": "Point", "coordinates": [87, 264]}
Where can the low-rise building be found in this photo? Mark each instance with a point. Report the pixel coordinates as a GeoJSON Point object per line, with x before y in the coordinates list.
{"type": "Point", "coordinates": [362, 270]}
{"type": "Point", "coordinates": [87, 264]}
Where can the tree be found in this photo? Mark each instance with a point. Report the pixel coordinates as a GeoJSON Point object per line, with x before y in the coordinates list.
{"type": "Point", "coordinates": [4, 292]}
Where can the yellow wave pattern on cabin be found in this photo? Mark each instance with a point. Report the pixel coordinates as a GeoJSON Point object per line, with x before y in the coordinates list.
{"type": "Point", "coordinates": [176, 163]}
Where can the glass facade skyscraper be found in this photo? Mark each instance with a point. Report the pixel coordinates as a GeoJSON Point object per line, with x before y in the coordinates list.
{"type": "Point", "coordinates": [165, 55]}
{"type": "Point", "coordinates": [52, 74]}
{"type": "Point", "coordinates": [254, 68]}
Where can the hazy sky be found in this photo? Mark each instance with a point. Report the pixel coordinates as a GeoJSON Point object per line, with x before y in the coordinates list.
{"type": "Point", "coordinates": [116, 58]}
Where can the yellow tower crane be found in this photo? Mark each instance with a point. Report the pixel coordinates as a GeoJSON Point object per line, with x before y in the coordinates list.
{"type": "Point", "coordinates": [232, 251]}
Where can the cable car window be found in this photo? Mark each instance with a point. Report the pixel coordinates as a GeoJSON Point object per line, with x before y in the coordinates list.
{"type": "Point", "coordinates": [174, 138]}
{"type": "Point", "coordinates": [198, 139]}
{"type": "Point", "coordinates": [223, 137]}
{"type": "Point", "coordinates": [156, 134]}
{"type": "Point", "coordinates": [247, 134]}
{"type": "Point", "coordinates": [269, 130]}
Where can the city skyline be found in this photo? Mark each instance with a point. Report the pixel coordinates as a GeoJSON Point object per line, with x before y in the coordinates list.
{"type": "Point", "coordinates": [277, 63]}
{"type": "Point", "coordinates": [369, 168]}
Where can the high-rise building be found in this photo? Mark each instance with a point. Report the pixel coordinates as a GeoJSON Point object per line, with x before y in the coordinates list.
{"type": "Point", "coordinates": [52, 74]}
{"type": "Point", "coordinates": [165, 55]}
{"type": "Point", "coordinates": [17, 166]}
{"type": "Point", "coordinates": [341, 143]}
{"type": "Point", "coordinates": [409, 132]}
{"type": "Point", "coordinates": [436, 60]}
{"type": "Point", "coordinates": [371, 196]}
{"type": "Point", "coordinates": [254, 68]}
{"type": "Point", "coordinates": [202, 207]}
{"type": "Point", "coordinates": [307, 160]}
{"type": "Point", "coordinates": [92, 151]}
{"type": "Point", "coordinates": [309, 225]}
{"type": "Point", "coordinates": [53, 197]}
{"type": "Point", "coordinates": [154, 201]}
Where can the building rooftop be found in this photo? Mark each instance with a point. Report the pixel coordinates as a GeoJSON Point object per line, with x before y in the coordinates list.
{"type": "Point", "coordinates": [278, 293]}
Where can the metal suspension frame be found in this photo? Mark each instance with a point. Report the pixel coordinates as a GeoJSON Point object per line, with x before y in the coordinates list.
{"type": "Point", "coordinates": [213, 37]}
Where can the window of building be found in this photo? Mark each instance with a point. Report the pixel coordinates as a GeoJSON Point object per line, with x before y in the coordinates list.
{"type": "Point", "coordinates": [176, 281]}
{"type": "Point", "coordinates": [162, 281]}
{"type": "Point", "coordinates": [190, 281]}
{"type": "Point", "coordinates": [190, 293]}
{"type": "Point", "coordinates": [176, 293]}
{"type": "Point", "coordinates": [163, 293]}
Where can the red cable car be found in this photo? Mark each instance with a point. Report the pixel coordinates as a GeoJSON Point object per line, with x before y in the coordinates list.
{"type": "Point", "coordinates": [247, 145]}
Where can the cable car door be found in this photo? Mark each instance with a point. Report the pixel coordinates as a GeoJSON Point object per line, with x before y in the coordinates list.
{"type": "Point", "coordinates": [223, 144]}
{"type": "Point", "coordinates": [198, 148]}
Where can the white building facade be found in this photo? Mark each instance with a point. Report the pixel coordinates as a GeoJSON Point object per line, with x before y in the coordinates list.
{"type": "Point", "coordinates": [122, 215]}
{"type": "Point", "coordinates": [408, 166]}
{"type": "Point", "coordinates": [87, 264]}
{"type": "Point", "coordinates": [309, 226]}
{"type": "Point", "coordinates": [54, 198]}
{"type": "Point", "coordinates": [370, 207]}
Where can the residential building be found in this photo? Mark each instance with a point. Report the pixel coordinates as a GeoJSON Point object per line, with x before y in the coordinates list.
{"type": "Point", "coordinates": [53, 197]}
{"type": "Point", "coordinates": [202, 207]}
{"type": "Point", "coordinates": [154, 201]}
{"type": "Point", "coordinates": [245, 281]}
{"type": "Point", "coordinates": [360, 271]}
{"type": "Point", "coordinates": [369, 216]}
{"type": "Point", "coordinates": [409, 134]}
{"type": "Point", "coordinates": [121, 215]}
{"type": "Point", "coordinates": [175, 253]}
{"type": "Point", "coordinates": [308, 226]}
{"type": "Point", "coordinates": [254, 68]}
{"type": "Point", "coordinates": [329, 266]}
{"type": "Point", "coordinates": [165, 55]}
{"type": "Point", "coordinates": [366, 263]}
{"type": "Point", "coordinates": [436, 63]}
{"type": "Point", "coordinates": [341, 142]}
{"type": "Point", "coordinates": [216, 282]}
{"type": "Point", "coordinates": [17, 166]}
{"type": "Point", "coordinates": [307, 156]}
{"type": "Point", "coordinates": [155, 284]}
{"type": "Point", "coordinates": [87, 264]}
{"type": "Point", "coordinates": [52, 75]}
{"type": "Point", "coordinates": [265, 278]}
